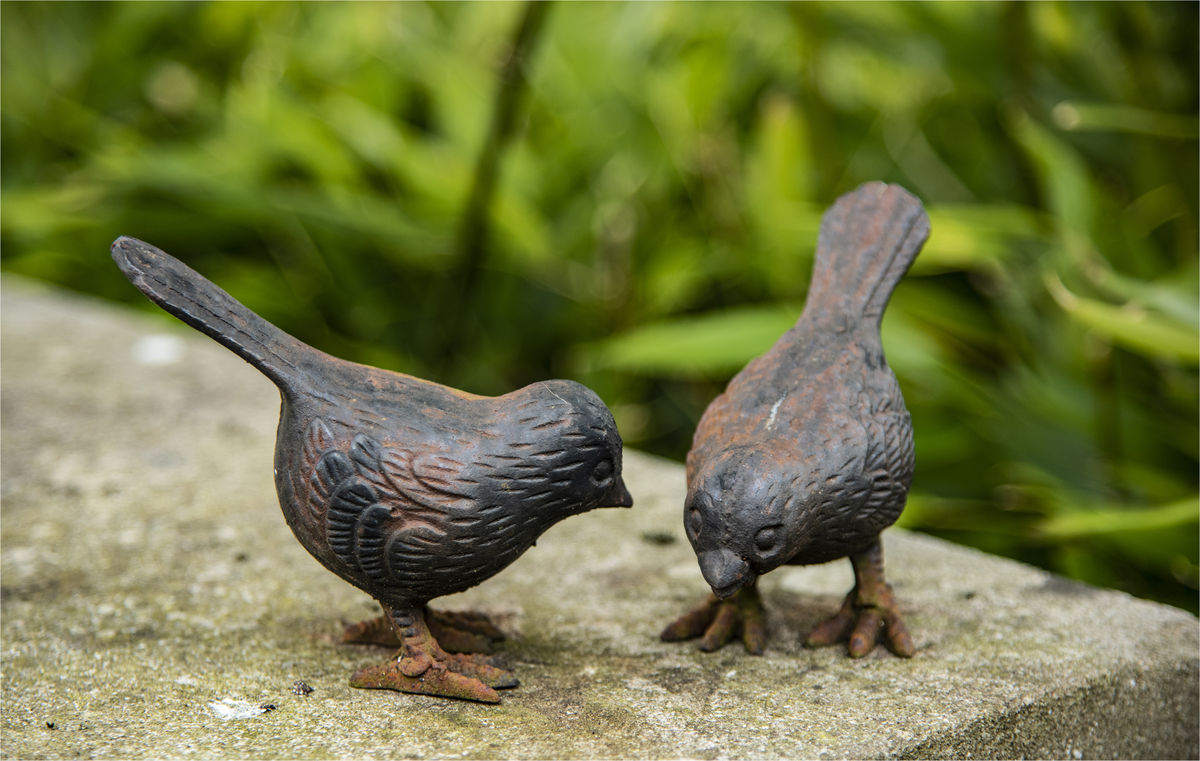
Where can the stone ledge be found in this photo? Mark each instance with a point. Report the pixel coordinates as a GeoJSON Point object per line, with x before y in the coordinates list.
{"type": "Point", "coordinates": [152, 594]}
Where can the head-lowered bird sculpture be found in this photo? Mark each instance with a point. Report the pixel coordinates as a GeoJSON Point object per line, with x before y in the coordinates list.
{"type": "Point", "coordinates": [407, 489]}
{"type": "Point", "coordinates": [808, 454]}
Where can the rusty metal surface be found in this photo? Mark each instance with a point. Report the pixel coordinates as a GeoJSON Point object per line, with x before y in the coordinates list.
{"type": "Point", "coordinates": [807, 456]}
{"type": "Point", "coordinates": [405, 488]}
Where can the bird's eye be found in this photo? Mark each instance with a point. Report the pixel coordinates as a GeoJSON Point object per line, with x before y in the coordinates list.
{"type": "Point", "coordinates": [603, 471]}
{"type": "Point", "coordinates": [695, 521]}
{"type": "Point", "coordinates": [766, 538]}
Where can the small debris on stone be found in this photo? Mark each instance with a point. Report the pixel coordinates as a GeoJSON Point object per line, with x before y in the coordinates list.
{"type": "Point", "coordinates": [300, 687]}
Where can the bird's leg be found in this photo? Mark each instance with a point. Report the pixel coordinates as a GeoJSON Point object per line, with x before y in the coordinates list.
{"type": "Point", "coordinates": [455, 631]}
{"type": "Point", "coordinates": [869, 613]}
{"type": "Point", "coordinates": [716, 622]}
{"type": "Point", "coordinates": [421, 666]}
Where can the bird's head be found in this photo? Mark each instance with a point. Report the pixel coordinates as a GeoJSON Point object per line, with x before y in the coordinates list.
{"type": "Point", "coordinates": [738, 520]}
{"type": "Point", "coordinates": [567, 430]}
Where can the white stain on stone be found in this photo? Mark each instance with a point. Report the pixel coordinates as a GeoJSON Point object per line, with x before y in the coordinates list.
{"type": "Point", "coordinates": [229, 708]}
{"type": "Point", "coordinates": [157, 349]}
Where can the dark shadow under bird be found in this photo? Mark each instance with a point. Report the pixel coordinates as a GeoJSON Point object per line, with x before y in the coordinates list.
{"type": "Point", "coordinates": [405, 488]}
{"type": "Point", "coordinates": [808, 454]}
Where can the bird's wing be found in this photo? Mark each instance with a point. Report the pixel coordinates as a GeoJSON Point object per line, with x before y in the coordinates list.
{"type": "Point", "coordinates": [427, 484]}
{"type": "Point", "coordinates": [372, 496]}
{"type": "Point", "coordinates": [355, 519]}
{"type": "Point", "coordinates": [888, 464]}
{"type": "Point", "coordinates": [314, 489]}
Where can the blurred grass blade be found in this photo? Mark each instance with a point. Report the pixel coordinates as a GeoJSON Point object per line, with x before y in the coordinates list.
{"type": "Point", "coordinates": [705, 345]}
{"type": "Point", "coordinates": [1064, 179]}
{"type": "Point", "coordinates": [1116, 117]}
{"type": "Point", "coordinates": [974, 237]}
{"type": "Point", "coordinates": [1177, 514]}
{"type": "Point", "coordinates": [1131, 326]}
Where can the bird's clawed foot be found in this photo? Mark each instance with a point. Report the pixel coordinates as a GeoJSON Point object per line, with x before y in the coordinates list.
{"type": "Point", "coordinates": [717, 622]}
{"type": "Point", "coordinates": [864, 620]}
{"type": "Point", "coordinates": [421, 666]}
{"type": "Point", "coordinates": [868, 615]}
{"type": "Point", "coordinates": [455, 631]}
{"type": "Point", "coordinates": [438, 679]}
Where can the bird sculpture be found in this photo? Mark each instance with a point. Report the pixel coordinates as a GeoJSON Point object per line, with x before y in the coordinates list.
{"type": "Point", "coordinates": [405, 488]}
{"type": "Point", "coordinates": [808, 454]}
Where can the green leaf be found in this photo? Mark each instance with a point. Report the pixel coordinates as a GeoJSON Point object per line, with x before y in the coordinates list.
{"type": "Point", "coordinates": [1064, 178]}
{"type": "Point", "coordinates": [1076, 525]}
{"type": "Point", "coordinates": [972, 238]}
{"type": "Point", "coordinates": [707, 345]}
{"type": "Point", "coordinates": [1118, 117]}
{"type": "Point", "coordinates": [1131, 325]}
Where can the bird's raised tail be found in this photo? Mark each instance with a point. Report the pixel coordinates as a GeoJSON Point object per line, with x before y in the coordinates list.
{"type": "Point", "coordinates": [197, 301]}
{"type": "Point", "coordinates": [868, 240]}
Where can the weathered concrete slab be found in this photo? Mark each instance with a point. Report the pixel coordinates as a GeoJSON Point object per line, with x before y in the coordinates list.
{"type": "Point", "coordinates": [151, 592]}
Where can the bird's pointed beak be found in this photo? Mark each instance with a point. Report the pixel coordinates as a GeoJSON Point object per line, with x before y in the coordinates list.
{"type": "Point", "coordinates": [619, 496]}
{"type": "Point", "coordinates": [725, 572]}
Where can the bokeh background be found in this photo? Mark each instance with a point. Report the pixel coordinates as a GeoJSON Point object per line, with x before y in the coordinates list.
{"type": "Point", "coordinates": [628, 195]}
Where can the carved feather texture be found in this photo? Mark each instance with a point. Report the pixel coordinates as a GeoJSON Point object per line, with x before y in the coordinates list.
{"type": "Point", "coordinates": [416, 525]}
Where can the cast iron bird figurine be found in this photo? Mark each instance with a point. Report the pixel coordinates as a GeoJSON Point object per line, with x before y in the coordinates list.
{"type": "Point", "coordinates": [807, 456]}
{"type": "Point", "coordinates": [407, 489]}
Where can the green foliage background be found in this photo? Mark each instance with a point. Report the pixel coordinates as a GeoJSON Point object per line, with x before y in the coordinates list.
{"type": "Point", "coordinates": [650, 215]}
